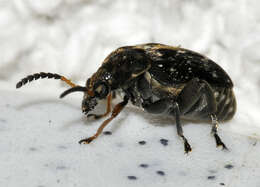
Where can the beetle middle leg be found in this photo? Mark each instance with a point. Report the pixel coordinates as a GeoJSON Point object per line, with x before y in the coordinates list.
{"type": "Point", "coordinates": [117, 109]}
{"type": "Point", "coordinates": [168, 106]}
{"type": "Point", "coordinates": [192, 97]}
{"type": "Point", "coordinates": [108, 110]}
{"type": "Point", "coordinates": [187, 146]}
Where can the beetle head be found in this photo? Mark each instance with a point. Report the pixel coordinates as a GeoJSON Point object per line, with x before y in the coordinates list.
{"type": "Point", "coordinates": [94, 91]}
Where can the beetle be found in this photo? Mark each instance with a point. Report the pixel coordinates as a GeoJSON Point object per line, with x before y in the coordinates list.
{"type": "Point", "coordinates": [160, 79]}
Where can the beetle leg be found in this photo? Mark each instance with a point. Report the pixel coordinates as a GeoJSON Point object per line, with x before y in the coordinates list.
{"type": "Point", "coordinates": [117, 109]}
{"type": "Point", "coordinates": [113, 94]}
{"type": "Point", "coordinates": [214, 132]}
{"type": "Point", "coordinates": [187, 146]}
{"type": "Point", "coordinates": [189, 99]}
{"type": "Point", "coordinates": [158, 107]}
{"type": "Point", "coordinates": [165, 106]}
{"type": "Point", "coordinates": [98, 116]}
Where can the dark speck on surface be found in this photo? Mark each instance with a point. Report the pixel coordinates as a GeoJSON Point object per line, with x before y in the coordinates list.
{"type": "Point", "coordinates": [144, 165]}
{"type": "Point", "coordinates": [229, 166]}
{"type": "Point", "coordinates": [107, 132]}
{"type": "Point", "coordinates": [119, 144]}
{"type": "Point", "coordinates": [212, 177]}
{"type": "Point", "coordinates": [164, 142]}
{"type": "Point", "coordinates": [222, 184]}
{"type": "Point", "coordinates": [142, 142]}
{"type": "Point", "coordinates": [2, 120]}
{"type": "Point", "coordinates": [212, 171]}
{"type": "Point", "coordinates": [32, 149]}
{"type": "Point", "coordinates": [182, 173]}
{"type": "Point", "coordinates": [62, 147]}
{"type": "Point", "coordinates": [132, 177]}
{"type": "Point", "coordinates": [160, 173]}
{"type": "Point", "coordinates": [49, 121]}
{"type": "Point", "coordinates": [61, 167]}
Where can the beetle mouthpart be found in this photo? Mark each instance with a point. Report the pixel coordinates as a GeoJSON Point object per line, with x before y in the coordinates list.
{"type": "Point", "coordinates": [88, 104]}
{"type": "Point", "coordinates": [74, 89]}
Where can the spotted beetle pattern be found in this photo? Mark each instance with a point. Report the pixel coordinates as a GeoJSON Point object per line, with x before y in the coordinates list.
{"type": "Point", "coordinates": [160, 79]}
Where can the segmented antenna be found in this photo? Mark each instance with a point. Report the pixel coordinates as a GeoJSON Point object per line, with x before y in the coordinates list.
{"type": "Point", "coordinates": [43, 75]}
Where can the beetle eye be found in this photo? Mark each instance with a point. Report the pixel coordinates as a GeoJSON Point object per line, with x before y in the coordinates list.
{"type": "Point", "coordinates": [101, 90]}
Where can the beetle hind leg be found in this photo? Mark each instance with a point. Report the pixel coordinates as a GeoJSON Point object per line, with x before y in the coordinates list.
{"type": "Point", "coordinates": [191, 103]}
{"type": "Point", "coordinates": [214, 132]}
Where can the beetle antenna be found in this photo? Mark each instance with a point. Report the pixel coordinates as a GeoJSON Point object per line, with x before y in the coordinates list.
{"type": "Point", "coordinates": [74, 89]}
{"type": "Point", "coordinates": [43, 75]}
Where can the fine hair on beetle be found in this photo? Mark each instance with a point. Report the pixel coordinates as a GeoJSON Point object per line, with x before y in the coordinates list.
{"type": "Point", "coordinates": [160, 79]}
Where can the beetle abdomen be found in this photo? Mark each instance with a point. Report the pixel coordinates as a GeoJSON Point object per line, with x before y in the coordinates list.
{"type": "Point", "coordinates": [226, 103]}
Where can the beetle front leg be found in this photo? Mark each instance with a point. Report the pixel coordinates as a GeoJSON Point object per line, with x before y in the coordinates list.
{"type": "Point", "coordinates": [117, 109]}
{"type": "Point", "coordinates": [98, 116]}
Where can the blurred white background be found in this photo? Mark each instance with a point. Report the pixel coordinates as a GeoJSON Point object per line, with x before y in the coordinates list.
{"type": "Point", "coordinates": [72, 38]}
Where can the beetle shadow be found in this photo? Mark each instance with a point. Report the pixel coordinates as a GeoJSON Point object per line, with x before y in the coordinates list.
{"type": "Point", "coordinates": [99, 109]}
{"type": "Point", "coordinates": [43, 101]}
{"type": "Point", "coordinates": [155, 119]}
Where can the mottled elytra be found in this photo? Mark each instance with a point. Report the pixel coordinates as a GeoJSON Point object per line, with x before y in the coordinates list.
{"type": "Point", "coordinates": [162, 80]}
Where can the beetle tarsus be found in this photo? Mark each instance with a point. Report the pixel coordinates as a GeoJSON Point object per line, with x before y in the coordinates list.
{"type": "Point", "coordinates": [95, 116]}
{"type": "Point", "coordinates": [219, 142]}
{"type": "Point", "coordinates": [214, 131]}
{"type": "Point", "coordinates": [187, 146]}
{"type": "Point", "coordinates": [87, 140]}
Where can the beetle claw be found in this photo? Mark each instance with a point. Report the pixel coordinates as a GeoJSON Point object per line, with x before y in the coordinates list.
{"type": "Point", "coordinates": [219, 142]}
{"type": "Point", "coordinates": [187, 146]}
{"type": "Point", "coordinates": [94, 116]}
{"type": "Point", "coordinates": [86, 140]}
{"type": "Point", "coordinates": [223, 146]}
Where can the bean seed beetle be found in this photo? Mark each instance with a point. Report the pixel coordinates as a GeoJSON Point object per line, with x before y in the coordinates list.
{"type": "Point", "coordinates": [160, 79]}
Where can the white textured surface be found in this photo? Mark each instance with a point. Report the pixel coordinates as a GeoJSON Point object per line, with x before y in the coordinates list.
{"type": "Point", "coordinates": [39, 132]}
